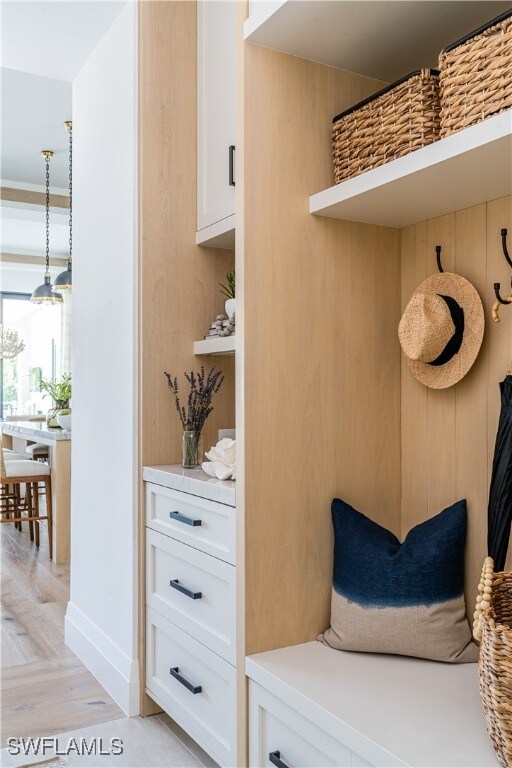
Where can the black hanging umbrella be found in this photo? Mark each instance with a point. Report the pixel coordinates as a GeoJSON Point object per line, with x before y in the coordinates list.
{"type": "Point", "coordinates": [500, 494]}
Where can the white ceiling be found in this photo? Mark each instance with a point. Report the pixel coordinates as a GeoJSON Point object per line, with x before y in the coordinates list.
{"type": "Point", "coordinates": [53, 39]}
{"type": "Point", "coordinates": [44, 45]}
{"type": "Point", "coordinates": [33, 113]}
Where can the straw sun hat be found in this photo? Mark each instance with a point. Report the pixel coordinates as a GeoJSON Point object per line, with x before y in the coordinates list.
{"type": "Point", "coordinates": [441, 330]}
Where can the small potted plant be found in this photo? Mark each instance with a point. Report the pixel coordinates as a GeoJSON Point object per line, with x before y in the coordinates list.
{"type": "Point", "coordinates": [228, 290]}
{"type": "Point", "coordinates": [202, 390]}
{"type": "Point", "coordinates": [60, 392]}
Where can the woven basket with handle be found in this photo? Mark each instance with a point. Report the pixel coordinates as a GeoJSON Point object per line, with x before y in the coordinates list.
{"type": "Point", "coordinates": [476, 75]}
{"type": "Point", "coordinates": [492, 627]}
{"type": "Point", "coordinates": [400, 118]}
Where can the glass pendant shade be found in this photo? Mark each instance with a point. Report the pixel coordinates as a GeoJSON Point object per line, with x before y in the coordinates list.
{"type": "Point", "coordinates": [63, 282]}
{"type": "Point", "coordinates": [44, 294]}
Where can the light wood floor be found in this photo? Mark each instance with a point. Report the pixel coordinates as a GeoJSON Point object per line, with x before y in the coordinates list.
{"type": "Point", "coordinates": [44, 688]}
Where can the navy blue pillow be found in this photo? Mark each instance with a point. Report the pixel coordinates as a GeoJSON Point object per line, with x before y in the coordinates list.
{"type": "Point", "coordinates": [405, 598]}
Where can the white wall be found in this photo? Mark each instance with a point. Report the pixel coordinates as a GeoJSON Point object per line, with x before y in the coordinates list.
{"type": "Point", "coordinates": [101, 618]}
{"type": "Point", "coordinates": [23, 278]}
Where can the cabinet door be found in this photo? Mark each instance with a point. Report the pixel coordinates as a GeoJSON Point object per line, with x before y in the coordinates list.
{"type": "Point", "coordinates": [215, 110]}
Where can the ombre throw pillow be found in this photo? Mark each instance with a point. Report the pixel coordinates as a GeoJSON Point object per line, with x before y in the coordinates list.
{"type": "Point", "coordinates": [405, 599]}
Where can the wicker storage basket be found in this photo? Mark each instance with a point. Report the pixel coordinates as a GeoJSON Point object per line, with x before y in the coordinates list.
{"type": "Point", "coordinates": [493, 627]}
{"type": "Point", "coordinates": [476, 75]}
{"type": "Point", "coordinates": [400, 118]}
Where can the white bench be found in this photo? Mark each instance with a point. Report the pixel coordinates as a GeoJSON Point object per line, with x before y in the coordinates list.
{"type": "Point", "coordinates": [311, 706]}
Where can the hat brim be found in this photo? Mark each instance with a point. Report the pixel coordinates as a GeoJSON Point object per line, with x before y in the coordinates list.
{"type": "Point", "coordinates": [443, 376]}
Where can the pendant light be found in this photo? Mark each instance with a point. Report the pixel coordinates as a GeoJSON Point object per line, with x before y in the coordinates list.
{"type": "Point", "coordinates": [43, 294]}
{"type": "Point", "coordinates": [63, 282]}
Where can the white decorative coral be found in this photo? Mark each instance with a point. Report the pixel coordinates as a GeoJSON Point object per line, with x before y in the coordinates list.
{"type": "Point", "coordinates": [222, 464]}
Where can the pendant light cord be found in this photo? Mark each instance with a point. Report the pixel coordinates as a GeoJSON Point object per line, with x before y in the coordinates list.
{"type": "Point", "coordinates": [70, 129]}
{"type": "Point", "coordinates": [47, 273]}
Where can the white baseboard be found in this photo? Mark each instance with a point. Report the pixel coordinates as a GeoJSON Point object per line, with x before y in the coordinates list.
{"type": "Point", "coordinates": [116, 672]}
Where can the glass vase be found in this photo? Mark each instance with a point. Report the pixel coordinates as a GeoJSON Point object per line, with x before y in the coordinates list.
{"type": "Point", "coordinates": [51, 417]}
{"type": "Point", "coordinates": [192, 450]}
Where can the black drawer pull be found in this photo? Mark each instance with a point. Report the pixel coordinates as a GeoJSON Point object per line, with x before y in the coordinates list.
{"type": "Point", "coordinates": [175, 672]}
{"type": "Point", "coordinates": [275, 759]}
{"type": "Point", "coordinates": [183, 519]}
{"type": "Point", "coordinates": [232, 165]}
{"type": "Point", "coordinates": [175, 584]}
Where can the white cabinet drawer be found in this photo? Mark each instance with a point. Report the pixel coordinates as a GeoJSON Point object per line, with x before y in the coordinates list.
{"type": "Point", "coordinates": [278, 735]}
{"type": "Point", "coordinates": [201, 523]}
{"type": "Point", "coordinates": [209, 715]}
{"type": "Point", "coordinates": [201, 601]}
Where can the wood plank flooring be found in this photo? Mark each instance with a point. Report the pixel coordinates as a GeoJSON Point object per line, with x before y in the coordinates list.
{"type": "Point", "coordinates": [44, 688]}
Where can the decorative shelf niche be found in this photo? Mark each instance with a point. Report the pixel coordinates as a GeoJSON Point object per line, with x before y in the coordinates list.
{"type": "Point", "coordinates": [222, 345]}
{"type": "Point", "coordinates": [467, 168]}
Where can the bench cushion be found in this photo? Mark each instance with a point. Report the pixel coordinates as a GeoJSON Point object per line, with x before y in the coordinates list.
{"type": "Point", "coordinates": [398, 598]}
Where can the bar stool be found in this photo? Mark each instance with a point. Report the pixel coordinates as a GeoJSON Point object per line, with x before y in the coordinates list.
{"type": "Point", "coordinates": [14, 473]}
{"type": "Point", "coordinates": [37, 452]}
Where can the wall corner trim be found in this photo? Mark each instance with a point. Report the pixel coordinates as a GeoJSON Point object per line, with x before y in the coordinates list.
{"type": "Point", "coordinates": [116, 672]}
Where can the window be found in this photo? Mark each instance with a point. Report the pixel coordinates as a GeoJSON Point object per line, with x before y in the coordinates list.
{"type": "Point", "coordinates": [39, 327]}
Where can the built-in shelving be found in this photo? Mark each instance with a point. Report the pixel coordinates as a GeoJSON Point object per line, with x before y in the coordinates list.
{"type": "Point", "coordinates": [381, 40]}
{"type": "Point", "coordinates": [218, 235]}
{"type": "Point", "coordinates": [222, 345]}
{"type": "Point", "coordinates": [467, 168]}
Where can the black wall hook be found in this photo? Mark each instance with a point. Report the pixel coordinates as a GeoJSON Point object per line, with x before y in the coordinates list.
{"type": "Point", "coordinates": [505, 249]}
{"type": "Point", "coordinates": [438, 256]}
{"type": "Point", "coordinates": [501, 300]}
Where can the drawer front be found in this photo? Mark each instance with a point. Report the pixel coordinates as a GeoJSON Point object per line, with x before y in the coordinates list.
{"type": "Point", "coordinates": [201, 523]}
{"type": "Point", "coordinates": [279, 736]}
{"type": "Point", "coordinates": [209, 714]}
{"type": "Point", "coordinates": [195, 591]}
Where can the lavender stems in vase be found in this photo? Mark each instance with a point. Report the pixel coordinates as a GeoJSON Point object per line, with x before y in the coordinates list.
{"type": "Point", "coordinates": [202, 389]}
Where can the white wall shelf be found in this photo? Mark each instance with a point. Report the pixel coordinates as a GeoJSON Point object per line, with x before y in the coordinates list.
{"type": "Point", "coordinates": [467, 168]}
{"type": "Point", "coordinates": [218, 235]}
{"type": "Point", "coordinates": [222, 345]}
{"type": "Point", "coordinates": [381, 40]}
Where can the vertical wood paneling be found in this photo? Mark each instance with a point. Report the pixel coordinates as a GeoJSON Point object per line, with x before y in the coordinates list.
{"type": "Point", "coordinates": [471, 401]}
{"type": "Point", "coordinates": [322, 366]}
{"type": "Point", "coordinates": [441, 403]}
{"type": "Point", "coordinates": [460, 423]}
{"type": "Point", "coordinates": [178, 280]}
{"type": "Point", "coordinates": [416, 265]}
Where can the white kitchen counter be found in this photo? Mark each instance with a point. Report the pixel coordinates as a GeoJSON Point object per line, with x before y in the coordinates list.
{"type": "Point", "coordinates": [34, 430]}
{"type": "Point", "coordinates": [193, 481]}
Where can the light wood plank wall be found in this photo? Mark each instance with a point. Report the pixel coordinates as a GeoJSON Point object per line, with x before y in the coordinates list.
{"type": "Point", "coordinates": [322, 365]}
{"type": "Point", "coordinates": [448, 435]}
{"type": "Point", "coordinates": [179, 294]}
{"type": "Point", "coordinates": [178, 281]}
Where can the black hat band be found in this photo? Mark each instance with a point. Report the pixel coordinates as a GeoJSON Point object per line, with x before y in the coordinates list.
{"type": "Point", "coordinates": [454, 344]}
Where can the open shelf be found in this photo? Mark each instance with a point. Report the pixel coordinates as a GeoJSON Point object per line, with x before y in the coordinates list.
{"type": "Point", "coordinates": [222, 345]}
{"type": "Point", "coordinates": [467, 168]}
{"type": "Point", "coordinates": [218, 235]}
{"type": "Point", "coordinates": [384, 40]}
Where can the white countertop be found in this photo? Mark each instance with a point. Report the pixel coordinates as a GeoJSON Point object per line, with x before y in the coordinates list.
{"type": "Point", "coordinates": [193, 481]}
{"type": "Point", "coordinates": [34, 430]}
{"type": "Point", "coordinates": [391, 710]}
